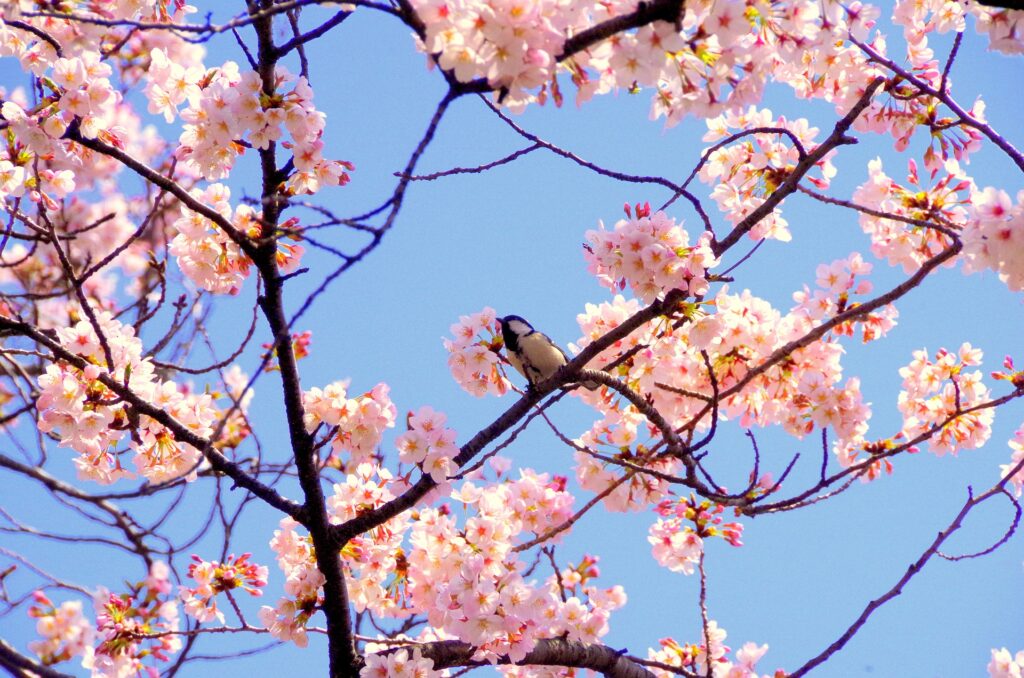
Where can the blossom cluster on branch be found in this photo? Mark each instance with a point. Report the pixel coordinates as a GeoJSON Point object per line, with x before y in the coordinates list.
{"type": "Point", "coordinates": [451, 561]}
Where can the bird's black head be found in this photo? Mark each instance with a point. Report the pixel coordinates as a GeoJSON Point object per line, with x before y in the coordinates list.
{"type": "Point", "coordinates": [513, 327]}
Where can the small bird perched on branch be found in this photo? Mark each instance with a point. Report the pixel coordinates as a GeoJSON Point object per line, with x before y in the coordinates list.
{"type": "Point", "coordinates": [532, 353]}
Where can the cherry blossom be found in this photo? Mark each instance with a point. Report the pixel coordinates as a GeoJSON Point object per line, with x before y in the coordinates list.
{"type": "Point", "coordinates": [205, 253]}
{"type": "Point", "coordinates": [1005, 665]}
{"type": "Point", "coordinates": [710, 649]}
{"type": "Point", "coordinates": [941, 388]}
{"type": "Point", "coordinates": [474, 361]}
{"type": "Point", "coordinates": [678, 536]}
{"type": "Point", "coordinates": [910, 245]}
{"type": "Point", "coordinates": [288, 618]}
{"type": "Point", "coordinates": [1016, 474]}
{"type": "Point", "coordinates": [429, 444]}
{"type": "Point", "coordinates": [213, 578]}
{"type": "Point", "coordinates": [229, 108]}
{"type": "Point", "coordinates": [356, 424]}
{"type": "Point", "coordinates": [132, 628]}
{"type": "Point", "coordinates": [749, 170]}
{"type": "Point", "coordinates": [91, 419]}
{"type": "Point", "coordinates": [64, 632]}
{"type": "Point", "coordinates": [994, 236]}
{"type": "Point", "coordinates": [650, 253]}
{"type": "Point", "coordinates": [399, 664]}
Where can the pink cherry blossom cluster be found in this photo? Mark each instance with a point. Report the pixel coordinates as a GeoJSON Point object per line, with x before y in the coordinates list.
{"type": "Point", "coordinates": [228, 111]}
{"type": "Point", "coordinates": [677, 538]}
{"type": "Point", "coordinates": [374, 560]}
{"type": "Point", "coordinates": [86, 93]}
{"type": "Point", "coordinates": [1006, 665]}
{"type": "Point", "coordinates": [838, 285]}
{"type": "Point", "coordinates": [1004, 27]}
{"type": "Point", "coordinates": [135, 627]}
{"type": "Point", "coordinates": [91, 419]}
{"type": "Point", "coordinates": [599, 319]}
{"type": "Point", "coordinates": [906, 111]}
{"type": "Point", "coordinates": [429, 444]}
{"type": "Point", "coordinates": [651, 253]}
{"type": "Point", "coordinates": [696, 657]}
{"type": "Point", "coordinates": [716, 58]}
{"type": "Point", "coordinates": [511, 43]}
{"type": "Point", "coordinates": [616, 435]}
{"type": "Point", "coordinates": [469, 583]}
{"type": "Point", "coordinates": [399, 663]}
{"type": "Point", "coordinates": [666, 364]}
{"type": "Point", "coordinates": [1016, 474]}
{"type": "Point", "coordinates": [37, 163]}
{"type": "Point", "coordinates": [31, 140]}
{"type": "Point", "coordinates": [994, 236]}
{"type": "Point", "coordinates": [747, 172]}
{"type": "Point", "coordinates": [303, 581]}
{"type": "Point", "coordinates": [64, 632]}
{"type": "Point", "coordinates": [904, 244]}
{"type": "Point", "coordinates": [124, 47]}
{"type": "Point", "coordinates": [800, 394]}
{"type": "Point", "coordinates": [375, 564]}
{"type": "Point", "coordinates": [205, 253]}
{"type": "Point", "coordinates": [213, 577]}
{"type": "Point", "coordinates": [537, 500]}
{"type": "Point", "coordinates": [938, 389]}
{"type": "Point", "coordinates": [359, 421]}
{"type": "Point", "coordinates": [473, 571]}
{"type": "Point", "coordinates": [474, 360]}
{"type": "Point", "coordinates": [79, 88]}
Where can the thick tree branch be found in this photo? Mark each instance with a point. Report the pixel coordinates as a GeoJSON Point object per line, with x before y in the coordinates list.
{"type": "Point", "coordinates": [549, 652]}
{"type": "Point", "coordinates": [23, 667]}
{"type": "Point", "coordinates": [341, 645]}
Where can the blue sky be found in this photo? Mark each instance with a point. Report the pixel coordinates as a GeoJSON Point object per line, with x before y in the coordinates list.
{"type": "Point", "coordinates": [510, 239]}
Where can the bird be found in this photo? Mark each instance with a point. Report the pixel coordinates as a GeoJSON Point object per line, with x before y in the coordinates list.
{"type": "Point", "coordinates": [533, 353]}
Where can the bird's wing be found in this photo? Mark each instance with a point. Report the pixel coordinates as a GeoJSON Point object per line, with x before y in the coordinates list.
{"type": "Point", "coordinates": [564, 354]}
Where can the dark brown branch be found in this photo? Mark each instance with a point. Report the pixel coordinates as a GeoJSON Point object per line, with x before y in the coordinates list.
{"type": "Point", "coordinates": [301, 39]}
{"type": "Point", "coordinates": [1014, 524]}
{"type": "Point", "coordinates": [341, 650]}
{"type": "Point", "coordinates": [23, 667]}
{"type": "Point", "coordinates": [548, 652]}
{"type": "Point", "coordinates": [645, 13]}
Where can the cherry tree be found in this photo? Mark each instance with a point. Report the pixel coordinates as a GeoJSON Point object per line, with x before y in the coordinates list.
{"type": "Point", "coordinates": [152, 185]}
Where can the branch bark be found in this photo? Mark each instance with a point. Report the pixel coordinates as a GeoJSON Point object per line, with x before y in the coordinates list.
{"type": "Point", "coordinates": [549, 652]}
